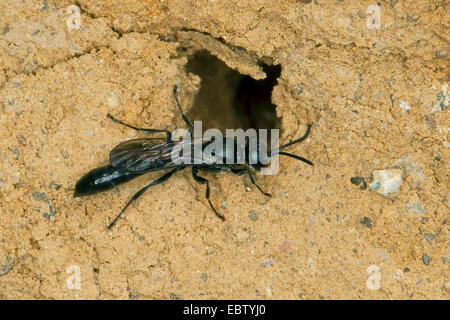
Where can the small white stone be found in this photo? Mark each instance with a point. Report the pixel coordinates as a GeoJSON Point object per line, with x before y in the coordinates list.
{"type": "Point", "coordinates": [269, 291]}
{"type": "Point", "coordinates": [387, 182]}
{"type": "Point", "coordinates": [112, 99]}
{"type": "Point", "coordinates": [405, 106]}
{"type": "Point", "coordinates": [398, 274]}
{"type": "Point", "coordinates": [417, 207]}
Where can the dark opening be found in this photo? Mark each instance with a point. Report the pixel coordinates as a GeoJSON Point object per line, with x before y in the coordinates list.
{"type": "Point", "coordinates": [228, 99]}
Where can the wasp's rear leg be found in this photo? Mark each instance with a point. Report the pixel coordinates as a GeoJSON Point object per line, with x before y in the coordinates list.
{"type": "Point", "coordinates": [240, 172]}
{"type": "Point", "coordinates": [140, 192]}
{"type": "Point", "coordinates": [202, 180]}
{"type": "Point", "coordinates": [167, 132]}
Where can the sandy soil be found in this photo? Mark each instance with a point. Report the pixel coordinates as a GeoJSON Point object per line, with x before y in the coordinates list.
{"type": "Point", "coordinates": [377, 99]}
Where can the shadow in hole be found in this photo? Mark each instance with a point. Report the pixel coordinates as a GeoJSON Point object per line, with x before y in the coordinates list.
{"type": "Point", "coordinates": [228, 99]}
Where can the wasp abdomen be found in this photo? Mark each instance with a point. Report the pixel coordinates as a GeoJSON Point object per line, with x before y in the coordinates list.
{"type": "Point", "coordinates": [101, 179]}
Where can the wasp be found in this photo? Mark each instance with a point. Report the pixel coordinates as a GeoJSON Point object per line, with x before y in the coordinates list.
{"type": "Point", "coordinates": [136, 157]}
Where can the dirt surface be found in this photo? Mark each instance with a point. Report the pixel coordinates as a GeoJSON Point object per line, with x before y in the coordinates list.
{"type": "Point", "coordinates": [377, 99]}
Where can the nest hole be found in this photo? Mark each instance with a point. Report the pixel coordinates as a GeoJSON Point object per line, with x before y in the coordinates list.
{"type": "Point", "coordinates": [228, 99]}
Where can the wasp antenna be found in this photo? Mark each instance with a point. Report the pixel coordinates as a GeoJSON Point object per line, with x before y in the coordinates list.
{"type": "Point", "coordinates": [308, 130]}
{"type": "Point", "coordinates": [296, 157]}
{"type": "Point", "coordinates": [185, 118]}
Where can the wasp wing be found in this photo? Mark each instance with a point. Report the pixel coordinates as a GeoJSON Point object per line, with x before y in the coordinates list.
{"type": "Point", "coordinates": [196, 151]}
{"type": "Point", "coordinates": [151, 154]}
{"type": "Point", "coordinates": [141, 155]}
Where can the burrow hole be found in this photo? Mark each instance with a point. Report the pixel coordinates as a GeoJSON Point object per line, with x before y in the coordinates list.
{"type": "Point", "coordinates": [228, 99]}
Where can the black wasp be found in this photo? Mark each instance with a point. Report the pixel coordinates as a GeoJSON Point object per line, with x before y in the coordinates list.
{"type": "Point", "coordinates": [139, 156]}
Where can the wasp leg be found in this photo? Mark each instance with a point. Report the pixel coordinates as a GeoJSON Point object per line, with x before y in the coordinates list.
{"type": "Point", "coordinates": [140, 192]}
{"type": "Point", "coordinates": [185, 118]}
{"type": "Point", "coordinates": [167, 132]}
{"type": "Point", "coordinates": [240, 172]}
{"type": "Point", "coordinates": [202, 180]}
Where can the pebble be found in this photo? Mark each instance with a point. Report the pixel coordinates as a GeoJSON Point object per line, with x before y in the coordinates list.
{"type": "Point", "coordinates": [398, 274]}
{"type": "Point", "coordinates": [15, 151]}
{"type": "Point", "coordinates": [6, 29]}
{"type": "Point", "coordinates": [174, 296]}
{"type": "Point", "coordinates": [54, 185]}
{"type": "Point", "coordinates": [112, 99]}
{"type": "Point", "coordinates": [253, 215]}
{"type": "Point", "coordinates": [413, 170]}
{"type": "Point", "coordinates": [442, 99]}
{"type": "Point", "coordinates": [134, 295]}
{"type": "Point", "coordinates": [429, 237]}
{"type": "Point", "coordinates": [284, 247]}
{"type": "Point", "coordinates": [366, 221]}
{"type": "Point", "coordinates": [426, 259]}
{"type": "Point", "coordinates": [320, 94]}
{"type": "Point", "coordinates": [405, 106]}
{"type": "Point", "coordinates": [413, 17]}
{"type": "Point", "coordinates": [22, 140]}
{"type": "Point", "coordinates": [387, 182]}
{"type": "Point", "coordinates": [7, 266]}
{"type": "Point", "coordinates": [269, 262]}
{"type": "Point", "coordinates": [52, 212]}
{"type": "Point", "coordinates": [39, 196]}
{"type": "Point", "coordinates": [361, 14]}
{"type": "Point", "coordinates": [417, 207]}
{"type": "Point", "coordinates": [440, 54]}
{"type": "Point", "coordinates": [297, 91]}
{"type": "Point", "coordinates": [359, 180]}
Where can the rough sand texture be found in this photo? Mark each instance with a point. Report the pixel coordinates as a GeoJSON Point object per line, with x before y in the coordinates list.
{"type": "Point", "coordinates": [320, 236]}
